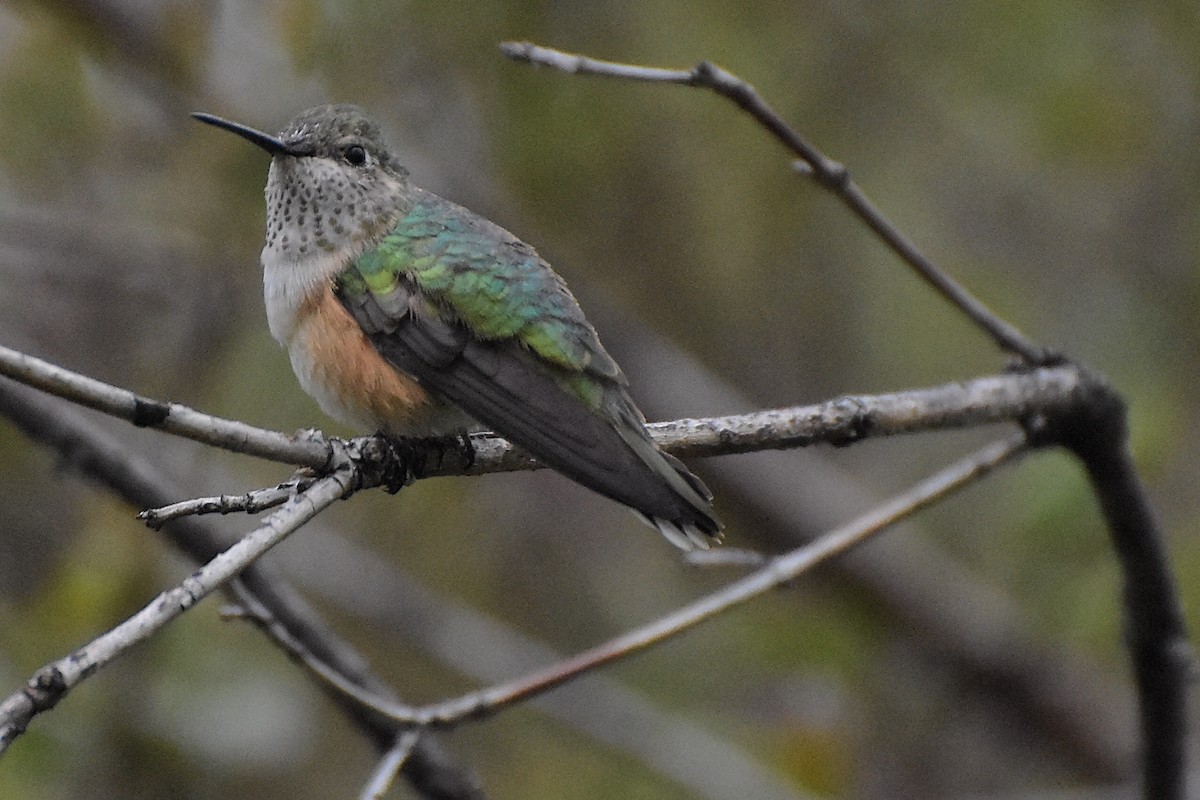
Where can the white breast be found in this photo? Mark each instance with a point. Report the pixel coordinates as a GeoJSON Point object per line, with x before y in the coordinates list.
{"type": "Point", "coordinates": [288, 283]}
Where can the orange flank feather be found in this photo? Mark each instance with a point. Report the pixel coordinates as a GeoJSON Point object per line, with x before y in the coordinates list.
{"type": "Point", "coordinates": [348, 377]}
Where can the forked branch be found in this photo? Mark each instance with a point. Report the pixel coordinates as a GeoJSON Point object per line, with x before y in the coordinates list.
{"type": "Point", "coordinates": [1060, 404]}
{"type": "Point", "coordinates": [53, 681]}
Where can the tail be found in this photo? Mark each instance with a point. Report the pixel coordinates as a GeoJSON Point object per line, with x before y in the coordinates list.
{"type": "Point", "coordinates": [675, 502]}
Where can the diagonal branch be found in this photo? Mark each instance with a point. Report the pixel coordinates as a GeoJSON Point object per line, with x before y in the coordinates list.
{"type": "Point", "coordinates": [777, 572]}
{"type": "Point", "coordinates": [93, 453]}
{"type": "Point", "coordinates": [830, 174]}
{"type": "Point", "coordinates": [707, 763]}
{"type": "Point", "coordinates": [389, 766]}
{"type": "Point", "coordinates": [53, 681]}
{"type": "Point", "coordinates": [309, 451]}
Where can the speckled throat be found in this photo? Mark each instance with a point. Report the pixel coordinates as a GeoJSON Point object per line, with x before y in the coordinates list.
{"type": "Point", "coordinates": [317, 207]}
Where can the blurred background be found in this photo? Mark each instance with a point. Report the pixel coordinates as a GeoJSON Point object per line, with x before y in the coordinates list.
{"type": "Point", "coordinates": [1042, 152]}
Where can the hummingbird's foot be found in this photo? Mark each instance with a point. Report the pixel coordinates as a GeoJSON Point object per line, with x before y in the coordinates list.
{"type": "Point", "coordinates": [437, 455]}
{"type": "Point", "coordinates": [468, 450]}
{"type": "Point", "coordinates": [397, 463]}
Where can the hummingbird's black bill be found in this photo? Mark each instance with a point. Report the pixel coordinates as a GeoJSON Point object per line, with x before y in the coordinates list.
{"type": "Point", "coordinates": [271, 144]}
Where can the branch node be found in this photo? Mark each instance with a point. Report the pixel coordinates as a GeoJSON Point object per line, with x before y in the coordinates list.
{"type": "Point", "coordinates": [517, 51]}
{"type": "Point", "coordinates": [149, 413]}
{"type": "Point", "coordinates": [856, 422]}
{"type": "Point", "coordinates": [1095, 421]}
{"type": "Point", "coordinates": [45, 689]}
{"type": "Point", "coordinates": [705, 73]}
{"type": "Point", "coordinates": [833, 175]}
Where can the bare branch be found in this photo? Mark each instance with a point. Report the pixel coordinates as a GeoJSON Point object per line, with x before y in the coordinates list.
{"type": "Point", "coordinates": [1163, 660]}
{"type": "Point", "coordinates": [308, 449]}
{"type": "Point", "coordinates": [1011, 397]}
{"type": "Point", "coordinates": [985, 637]}
{"type": "Point", "coordinates": [389, 766]}
{"type": "Point", "coordinates": [776, 572]}
{"type": "Point", "coordinates": [706, 763]}
{"type": "Point", "coordinates": [52, 682]}
{"type": "Point", "coordinates": [847, 419]}
{"type": "Point", "coordinates": [101, 458]}
{"type": "Point", "coordinates": [252, 502]}
{"type": "Point", "coordinates": [830, 174]}
{"type": "Point", "coordinates": [1159, 643]}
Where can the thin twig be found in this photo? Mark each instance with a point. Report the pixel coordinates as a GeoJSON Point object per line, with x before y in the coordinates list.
{"type": "Point", "coordinates": [53, 681]}
{"type": "Point", "coordinates": [830, 174]}
{"type": "Point", "coordinates": [253, 502]}
{"type": "Point", "coordinates": [777, 572]}
{"type": "Point", "coordinates": [390, 765]}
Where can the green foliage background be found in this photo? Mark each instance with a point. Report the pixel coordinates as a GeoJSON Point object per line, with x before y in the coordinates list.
{"type": "Point", "coordinates": [1043, 152]}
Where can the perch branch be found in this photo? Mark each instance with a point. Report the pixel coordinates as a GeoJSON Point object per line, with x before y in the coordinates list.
{"type": "Point", "coordinates": [1009, 397]}
{"type": "Point", "coordinates": [308, 449]}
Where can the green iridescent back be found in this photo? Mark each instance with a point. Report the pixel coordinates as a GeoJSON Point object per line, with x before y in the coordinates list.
{"type": "Point", "coordinates": [481, 275]}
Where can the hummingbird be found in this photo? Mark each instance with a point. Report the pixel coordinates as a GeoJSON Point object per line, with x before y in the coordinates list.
{"type": "Point", "coordinates": [407, 314]}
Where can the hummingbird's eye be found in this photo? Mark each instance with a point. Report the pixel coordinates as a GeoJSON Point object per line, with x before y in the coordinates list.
{"type": "Point", "coordinates": [356, 155]}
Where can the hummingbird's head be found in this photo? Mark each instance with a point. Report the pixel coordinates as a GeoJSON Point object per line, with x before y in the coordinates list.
{"type": "Point", "coordinates": [340, 133]}
{"type": "Point", "coordinates": [333, 185]}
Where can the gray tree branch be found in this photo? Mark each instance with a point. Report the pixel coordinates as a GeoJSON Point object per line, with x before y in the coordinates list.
{"type": "Point", "coordinates": [1010, 397]}
{"type": "Point", "coordinates": [1094, 428]}
{"type": "Point", "coordinates": [776, 572]}
{"type": "Point", "coordinates": [100, 458]}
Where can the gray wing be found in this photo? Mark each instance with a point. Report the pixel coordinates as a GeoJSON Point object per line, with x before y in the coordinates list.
{"type": "Point", "coordinates": [503, 386]}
